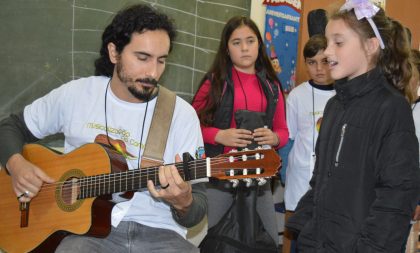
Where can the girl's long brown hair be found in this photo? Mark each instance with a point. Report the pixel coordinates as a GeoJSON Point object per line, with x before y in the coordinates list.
{"type": "Point", "coordinates": [222, 64]}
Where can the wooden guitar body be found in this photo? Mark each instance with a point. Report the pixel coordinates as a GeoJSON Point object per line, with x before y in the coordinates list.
{"type": "Point", "coordinates": [53, 213]}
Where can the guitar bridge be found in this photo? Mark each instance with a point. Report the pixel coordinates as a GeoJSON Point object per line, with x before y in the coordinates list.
{"type": "Point", "coordinates": [24, 214]}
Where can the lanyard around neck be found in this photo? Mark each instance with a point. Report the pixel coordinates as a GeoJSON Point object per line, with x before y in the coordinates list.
{"type": "Point", "coordinates": [243, 91]}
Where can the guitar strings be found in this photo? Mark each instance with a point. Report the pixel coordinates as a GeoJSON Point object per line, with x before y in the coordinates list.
{"type": "Point", "coordinates": [83, 182]}
{"type": "Point", "coordinates": [198, 166]}
{"type": "Point", "coordinates": [100, 180]}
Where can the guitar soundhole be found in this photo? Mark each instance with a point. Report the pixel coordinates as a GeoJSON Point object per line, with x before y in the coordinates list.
{"type": "Point", "coordinates": [70, 191]}
{"type": "Point", "coordinates": [67, 193]}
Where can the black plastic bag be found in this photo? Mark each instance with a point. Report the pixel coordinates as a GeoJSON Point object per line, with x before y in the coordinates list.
{"type": "Point", "coordinates": [240, 230]}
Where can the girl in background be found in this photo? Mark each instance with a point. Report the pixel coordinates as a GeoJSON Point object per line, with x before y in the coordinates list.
{"type": "Point", "coordinates": [366, 179]}
{"type": "Point", "coordinates": [241, 78]}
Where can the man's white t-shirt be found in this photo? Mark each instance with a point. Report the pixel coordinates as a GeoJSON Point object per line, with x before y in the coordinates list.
{"type": "Point", "coordinates": [77, 109]}
{"type": "Point", "coordinates": [304, 110]}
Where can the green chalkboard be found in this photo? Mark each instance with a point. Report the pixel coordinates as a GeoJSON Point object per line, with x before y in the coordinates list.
{"type": "Point", "coordinates": [45, 43]}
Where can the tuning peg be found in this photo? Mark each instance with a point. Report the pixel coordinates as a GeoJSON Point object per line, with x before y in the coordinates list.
{"type": "Point", "coordinates": [233, 150]}
{"type": "Point", "coordinates": [248, 181]}
{"type": "Point", "coordinates": [231, 159]}
{"type": "Point", "coordinates": [234, 182]}
{"type": "Point", "coordinates": [244, 158]}
{"type": "Point", "coordinates": [261, 181]}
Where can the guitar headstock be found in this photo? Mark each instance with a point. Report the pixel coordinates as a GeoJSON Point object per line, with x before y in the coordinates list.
{"type": "Point", "coordinates": [258, 163]}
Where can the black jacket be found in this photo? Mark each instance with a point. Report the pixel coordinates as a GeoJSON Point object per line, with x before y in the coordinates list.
{"type": "Point", "coordinates": [223, 114]}
{"type": "Point", "coordinates": [366, 179]}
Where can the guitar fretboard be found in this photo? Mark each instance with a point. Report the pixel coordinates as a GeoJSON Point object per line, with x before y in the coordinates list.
{"type": "Point", "coordinates": [132, 180]}
{"type": "Point", "coordinates": [247, 164]}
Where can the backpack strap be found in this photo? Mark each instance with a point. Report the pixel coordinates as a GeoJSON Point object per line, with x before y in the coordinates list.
{"type": "Point", "coordinates": [159, 128]}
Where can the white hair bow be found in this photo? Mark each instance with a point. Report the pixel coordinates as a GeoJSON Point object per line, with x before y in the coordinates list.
{"type": "Point", "coordinates": [364, 9]}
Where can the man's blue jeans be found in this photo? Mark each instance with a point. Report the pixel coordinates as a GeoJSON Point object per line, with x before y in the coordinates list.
{"type": "Point", "coordinates": [129, 237]}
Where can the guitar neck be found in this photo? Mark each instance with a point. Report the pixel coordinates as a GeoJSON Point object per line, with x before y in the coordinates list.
{"type": "Point", "coordinates": [131, 180]}
{"type": "Point", "coordinates": [239, 165]}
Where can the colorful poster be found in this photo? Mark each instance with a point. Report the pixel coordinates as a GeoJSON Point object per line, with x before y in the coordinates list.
{"type": "Point", "coordinates": [281, 38]}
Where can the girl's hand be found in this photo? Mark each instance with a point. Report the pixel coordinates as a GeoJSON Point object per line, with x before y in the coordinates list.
{"type": "Point", "coordinates": [264, 136]}
{"type": "Point", "coordinates": [233, 137]}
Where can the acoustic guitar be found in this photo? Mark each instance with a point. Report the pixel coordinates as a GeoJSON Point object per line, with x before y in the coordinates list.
{"type": "Point", "coordinates": [79, 202]}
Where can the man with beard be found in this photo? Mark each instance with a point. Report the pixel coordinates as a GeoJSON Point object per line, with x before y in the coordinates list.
{"type": "Point", "coordinates": [118, 102]}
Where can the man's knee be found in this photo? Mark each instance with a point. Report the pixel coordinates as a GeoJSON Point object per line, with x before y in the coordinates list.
{"type": "Point", "coordinates": [74, 243]}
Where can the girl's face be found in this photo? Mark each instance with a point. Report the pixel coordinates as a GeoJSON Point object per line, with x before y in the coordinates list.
{"type": "Point", "coordinates": [243, 49]}
{"type": "Point", "coordinates": [346, 54]}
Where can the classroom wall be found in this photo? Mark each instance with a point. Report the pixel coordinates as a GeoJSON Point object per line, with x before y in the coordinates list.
{"type": "Point", "coordinates": [406, 11]}
{"type": "Point", "coordinates": [46, 43]}
{"type": "Point", "coordinates": [258, 14]}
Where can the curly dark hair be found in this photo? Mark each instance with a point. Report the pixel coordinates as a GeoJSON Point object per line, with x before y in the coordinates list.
{"type": "Point", "coordinates": [134, 19]}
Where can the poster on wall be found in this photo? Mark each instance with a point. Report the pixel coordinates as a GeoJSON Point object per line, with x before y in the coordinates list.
{"type": "Point", "coordinates": [281, 34]}
{"type": "Point", "coordinates": [380, 3]}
